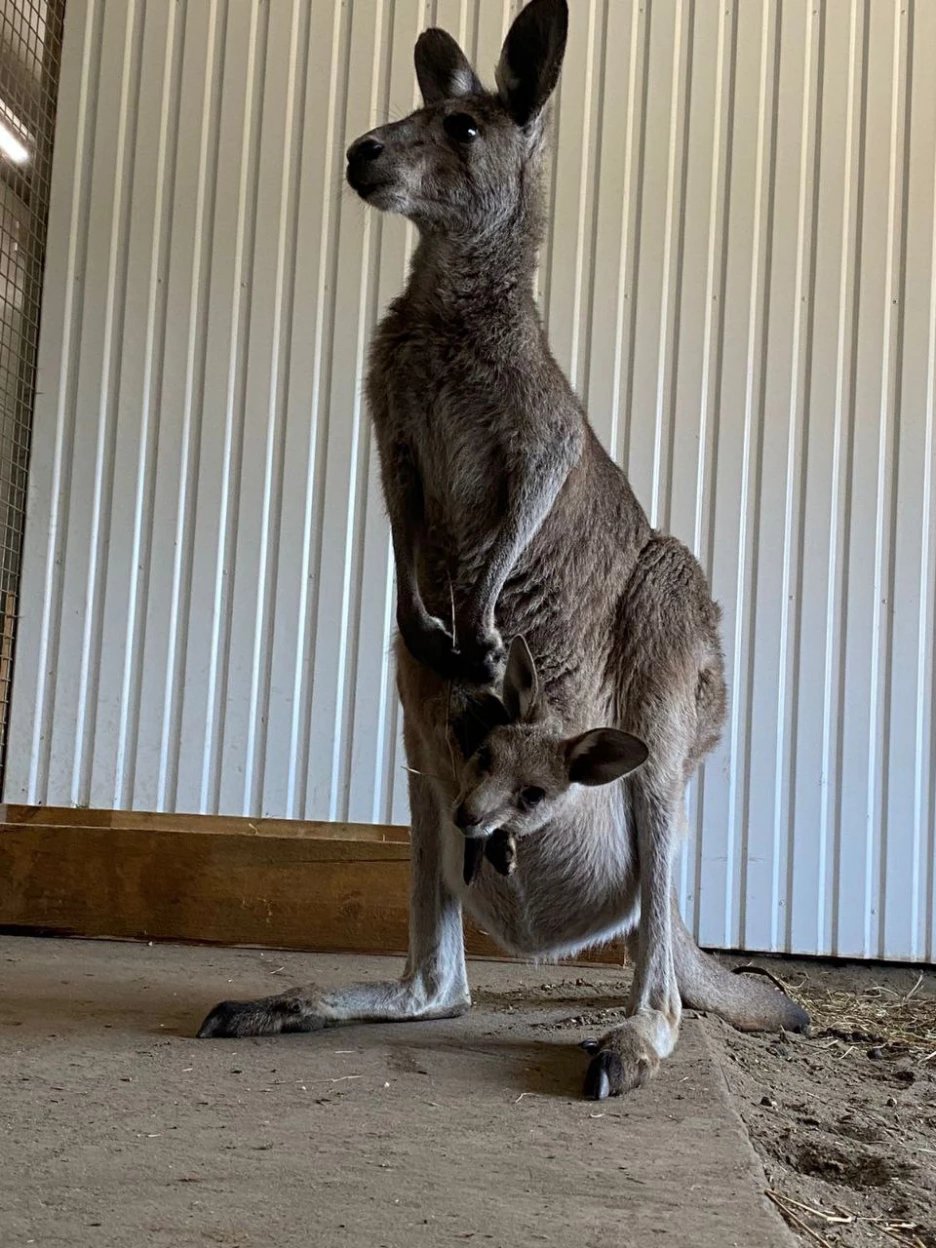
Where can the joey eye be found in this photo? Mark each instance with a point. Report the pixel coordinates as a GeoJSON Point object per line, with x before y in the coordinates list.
{"type": "Point", "coordinates": [531, 797]}
{"type": "Point", "coordinates": [461, 127]}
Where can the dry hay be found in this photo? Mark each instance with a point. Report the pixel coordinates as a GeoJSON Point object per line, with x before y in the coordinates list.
{"type": "Point", "coordinates": [794, 1210]}
{"type": "Point", "coordinates": [866, 1020]}
{"type": "Point", "coordinates": [900, 1024]}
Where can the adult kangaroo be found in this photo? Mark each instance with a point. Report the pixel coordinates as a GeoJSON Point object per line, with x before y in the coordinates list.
{"type": "Point", "coordinates": [509, 518]}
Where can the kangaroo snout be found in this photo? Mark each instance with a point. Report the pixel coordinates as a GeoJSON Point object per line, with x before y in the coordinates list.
{"type": "Point", "coordinates": [361, 155]}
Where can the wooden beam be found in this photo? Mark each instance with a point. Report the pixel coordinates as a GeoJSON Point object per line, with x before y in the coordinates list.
{"type": "Point", "coordinates": [212, 879]}
{"type": "Point", "coordinates": [150, 821]}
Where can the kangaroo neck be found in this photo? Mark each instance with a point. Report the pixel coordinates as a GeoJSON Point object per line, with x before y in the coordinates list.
{"type": "Point", "coordinates": [481, 282]}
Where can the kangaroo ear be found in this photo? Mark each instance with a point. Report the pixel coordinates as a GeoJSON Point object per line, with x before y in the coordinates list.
{"type": "Point", "coordinates": [521, 684]}
{"type": "Point", "coordinates": [442, 68]}
{"type": "Point", "coordinates": [603, 755]}
{"type": "Point", "coordinates": [531, 58]}
{"type": "Point", "coordinates": [483, 712]}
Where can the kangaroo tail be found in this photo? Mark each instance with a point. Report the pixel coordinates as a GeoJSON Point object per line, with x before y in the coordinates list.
{"type": "Point", "coordinates": [748, 1004]}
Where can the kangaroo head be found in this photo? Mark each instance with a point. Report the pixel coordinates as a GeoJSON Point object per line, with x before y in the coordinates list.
{"type": "Point", "coordinates": [519, 772]}
{"type": "Point", "coordinates": [457, 166]}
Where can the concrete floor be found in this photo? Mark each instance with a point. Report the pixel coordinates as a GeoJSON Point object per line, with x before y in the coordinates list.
{"type": "Point", "coordinates": [120, 1130]}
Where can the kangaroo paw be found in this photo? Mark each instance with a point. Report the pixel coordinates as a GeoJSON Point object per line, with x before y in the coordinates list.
{"type": "Point", "coordinates": [430, 643]}
{"type": "Point", "coordinates": [481, 659]}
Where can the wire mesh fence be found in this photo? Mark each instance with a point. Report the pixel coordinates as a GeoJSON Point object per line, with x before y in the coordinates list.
{"type": "Point", "coordinates": [30, 53]}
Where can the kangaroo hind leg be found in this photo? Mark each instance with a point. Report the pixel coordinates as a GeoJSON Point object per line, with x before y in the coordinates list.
{"type": "Point", "coordinates": [628, 1056]}
{"type": "Point", "coordinates": [434, 983]}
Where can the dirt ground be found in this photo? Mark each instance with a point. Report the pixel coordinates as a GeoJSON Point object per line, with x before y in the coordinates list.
{"type": "Point", "coordinates": [117, 1129]}
{"type": "Point", "coordinates": [845, 1120]}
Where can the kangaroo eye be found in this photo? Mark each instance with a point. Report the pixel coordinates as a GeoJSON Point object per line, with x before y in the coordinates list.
{"type": "Point", "coordinates": [483, 758]}
{"type": "Point", "coordinates": [461, 127]}
{"type": "Point", "coordinates": [531, 797]}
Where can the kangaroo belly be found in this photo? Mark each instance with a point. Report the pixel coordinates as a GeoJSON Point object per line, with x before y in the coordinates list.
{"type": "Point", "coordinates": [563, 896]}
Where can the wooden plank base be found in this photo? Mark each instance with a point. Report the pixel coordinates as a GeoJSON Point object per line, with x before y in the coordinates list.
{"type": "Point", "coordinates": [274, 883]}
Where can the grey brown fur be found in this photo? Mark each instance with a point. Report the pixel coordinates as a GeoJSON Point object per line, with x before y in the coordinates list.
{"type": "Point", "coordinates": [509, 518]}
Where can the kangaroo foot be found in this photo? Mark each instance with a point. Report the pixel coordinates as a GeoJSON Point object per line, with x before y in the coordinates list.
{"type": "Point", "coordinates": [309, 1009]}
{"type": "Point", "coordinates": [622, 1060]}
{"type": "Point", "coordinates": [269, 1016]}
{"type": "Point", "coordinates": [500, 849]}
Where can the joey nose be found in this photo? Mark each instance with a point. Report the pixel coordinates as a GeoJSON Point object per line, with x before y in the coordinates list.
{"type": "Point", "coordinates": [465, 820]}
{"type": "Point", "coordinates": [365, 149]}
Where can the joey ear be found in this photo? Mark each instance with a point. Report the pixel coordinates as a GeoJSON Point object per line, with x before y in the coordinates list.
{"type": "Point", "coordinates": [442, 68]}
{"type": "Point", "coordinates": [521, 684]}
{"type": "Point", "coordinates": [483, 712]}
{"type": "Point", "coordinates": [531, 58]}
{"type": "Point", "coordinates": [603, 755]}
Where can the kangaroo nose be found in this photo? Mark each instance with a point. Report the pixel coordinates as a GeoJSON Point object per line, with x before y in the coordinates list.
{"type": "Point", "coordinates": [365, 149]}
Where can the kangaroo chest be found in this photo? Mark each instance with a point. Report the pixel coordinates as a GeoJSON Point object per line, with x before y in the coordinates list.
{"type": "Point", "coordinates": [451, 412]}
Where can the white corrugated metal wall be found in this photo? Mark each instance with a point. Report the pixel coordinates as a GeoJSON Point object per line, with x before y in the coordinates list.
{"type": "Point", "coordinates": [740, 279]}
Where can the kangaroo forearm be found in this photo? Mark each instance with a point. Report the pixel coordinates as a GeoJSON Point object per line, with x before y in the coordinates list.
{"type": "Point", "coordinates": [403, 494]}
{"type": "Point", "coordinates": [525, 516]}
{"type": "Point", "coordinates": [410, 605]}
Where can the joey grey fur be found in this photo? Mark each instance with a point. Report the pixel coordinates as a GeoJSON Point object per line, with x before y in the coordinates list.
{"type": "Point", "coordinates": [526, 774]}
{"type": "Point", "coordinates": [519, 773]}
{"type": "Point", "coordinates": [508, 518]}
